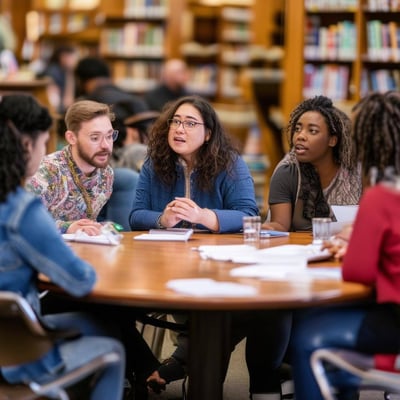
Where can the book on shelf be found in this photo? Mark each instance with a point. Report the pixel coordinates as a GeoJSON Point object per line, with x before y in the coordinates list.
{"type": "Point", "coordinates": [55, 4]}
{"type": "Point", "coordinates": [134, 39]}
{"type": "Point", "coordinates": [333, 42]}
{"type": "Point", "coordinates": [146, 8]}
{"type": "Point", "coordinates": [334, 5]}
{"type": "Point", "coordinates": [383, 40]}
{"type": "Point", "coordinates": [55, 23]}
{"type": "Point", "coordinates": [383, 5]}
{"type": "Point", "coordinates": [330, 79]}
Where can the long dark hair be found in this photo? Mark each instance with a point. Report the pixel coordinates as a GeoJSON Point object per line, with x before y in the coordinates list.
{"type": "Point", "coordinates": [20, 115]}
{"type": "Point", "coordinates": [213, 157]}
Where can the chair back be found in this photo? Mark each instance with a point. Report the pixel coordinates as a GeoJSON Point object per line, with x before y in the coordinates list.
{"type": "Point", "coordinates": [22, 337]}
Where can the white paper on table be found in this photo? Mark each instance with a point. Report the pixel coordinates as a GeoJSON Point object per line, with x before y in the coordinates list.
{"type": "Point", "coordinates": [208, 287]}
{"type": "Point", "coordinates": [109, 238]}
{"type": "Point", "coordinates": [249, 254]}
{"type": "Point", "coordinates": [232, 252]}
{"type": "Point", "coordinates": [309, 251]}
{"type": "Point", "coordinates": [286, 273]}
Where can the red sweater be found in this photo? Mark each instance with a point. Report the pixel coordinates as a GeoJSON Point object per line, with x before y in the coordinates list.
{"type": "Point", "coordinates": [373, 254]}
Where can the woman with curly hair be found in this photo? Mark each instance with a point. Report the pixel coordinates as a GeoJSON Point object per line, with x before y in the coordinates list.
{"type": "Point", "coordinates": [193, 176]}
{"type": "Point", "coordinates": [319, 170]}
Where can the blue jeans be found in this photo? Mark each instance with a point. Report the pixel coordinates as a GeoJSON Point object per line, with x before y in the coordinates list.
{"type": "Point", "coordinates": [323, 327]}
{"type": "Point", "coordinates": [77, 352]}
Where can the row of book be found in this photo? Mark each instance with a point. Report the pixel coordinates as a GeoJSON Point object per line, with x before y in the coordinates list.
{"type": "Point", "coordinates": [72, 4]}
{"type": "Point", "coordinates": [136, 76]}
{"type": "Point", "coordinates": [352, 5]}
{"type": "Point", "coordinates": [133, 40]}
{"type": "Point", "coordinates": [146, 8]}
{"type": "Point", "coordinates": [332, 80]}
{"type": "Point", "coordinates": [383, 40]}
{"type": "Point", "coordinates": [333, 42]}
{"type": "Point", "coordinates": [57, 23]}
{"type": "Point", "coordinates": [380, 80]}
{"type": "Point", "coordinates": [321, 5]}
{"type": "Point", "coordinates": [203, 79]}
{"type": "Point", "coordinates": [383, 5]}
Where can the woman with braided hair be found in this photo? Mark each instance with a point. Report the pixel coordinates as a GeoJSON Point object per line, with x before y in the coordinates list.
{"type": "Point", "coordinates": [372, 258]}
{"type": "Point", "coordinates": [319, 170]}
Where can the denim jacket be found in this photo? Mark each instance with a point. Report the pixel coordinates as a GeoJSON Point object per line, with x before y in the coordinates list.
{"type": "Point", "coordinates": [231, 197]}
{"type": "Point", "coordinates": [31, 244]}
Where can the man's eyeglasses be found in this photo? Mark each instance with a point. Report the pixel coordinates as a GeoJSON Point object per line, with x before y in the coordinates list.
{"type": "Point", "coordinates": [97, 138]}
{"type": "Point", "coordinates": [187, 125]}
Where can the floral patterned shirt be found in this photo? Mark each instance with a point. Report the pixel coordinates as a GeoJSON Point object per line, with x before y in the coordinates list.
{"type": "Point", "coordinates": [55, 182]}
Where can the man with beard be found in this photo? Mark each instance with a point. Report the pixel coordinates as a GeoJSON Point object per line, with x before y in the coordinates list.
{"type": "Point", "coordinates": [75, 182]}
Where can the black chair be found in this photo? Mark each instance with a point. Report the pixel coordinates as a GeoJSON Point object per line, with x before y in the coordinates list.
{"type": "Point", "coordinates": [357, 364]}
{"type": "Point", "coordinates": [24, 338]}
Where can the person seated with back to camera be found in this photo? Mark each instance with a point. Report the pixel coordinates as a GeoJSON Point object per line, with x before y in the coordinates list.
{"type": "Point", "coordinates": [31, 245]}
{"type": "Point", "coordinates": [74, 184]}
{"type": "Point", "coordinates": [319, 170]}
{"type": "Point", "coordinates": [195, 178]}
{"type": "Point", "coordinates": [371, 256]}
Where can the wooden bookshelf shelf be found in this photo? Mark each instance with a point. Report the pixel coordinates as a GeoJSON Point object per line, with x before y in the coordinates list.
{"type": "Point", "coordinates": [369, 63]}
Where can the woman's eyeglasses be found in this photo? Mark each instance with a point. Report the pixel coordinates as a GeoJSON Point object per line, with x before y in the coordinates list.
{"type": "Point", "coordinates": [187, 125]}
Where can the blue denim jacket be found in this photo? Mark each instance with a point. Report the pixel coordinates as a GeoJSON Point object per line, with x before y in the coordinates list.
{"type": "Point", "coordinates": [31, 244]}
{"type": "Point", "coordinates": [231, 197]}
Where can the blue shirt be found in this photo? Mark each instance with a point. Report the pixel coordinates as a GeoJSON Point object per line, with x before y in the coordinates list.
{"type": "Point", "coordinates": [231, 196]}
{"type": "Point", "coordinates": [31, 244]}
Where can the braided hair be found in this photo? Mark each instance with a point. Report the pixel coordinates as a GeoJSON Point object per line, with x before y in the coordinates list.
{"type": "Point", "coordinates": [338, 123]}
{"type": "Point", "coordinates": [376, 132]}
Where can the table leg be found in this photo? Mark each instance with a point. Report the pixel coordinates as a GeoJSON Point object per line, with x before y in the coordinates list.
{"type": "Point", "coordinates": [209, 352]}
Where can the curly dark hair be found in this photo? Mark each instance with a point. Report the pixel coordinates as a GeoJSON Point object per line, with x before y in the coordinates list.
{"type": "Point", "coordinates": [214, 156]}
{"type": "Point", "coordinates": [376, 132]}
{"type": "Point", "coordinates": [339, 125]}
{"type": "Point", "coordinates": [20, 115]}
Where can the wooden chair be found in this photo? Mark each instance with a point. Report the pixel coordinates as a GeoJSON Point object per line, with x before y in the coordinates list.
{"type": "Point", "coordinates": [24, 338]}
{"type": "Point", "coordinates": [355, 363]}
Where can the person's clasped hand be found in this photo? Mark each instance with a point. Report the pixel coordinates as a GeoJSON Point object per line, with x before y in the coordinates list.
{"type": "Point", "coordinates": [181, 209]}
{"type": "Point", "coordinates": [91, 228]}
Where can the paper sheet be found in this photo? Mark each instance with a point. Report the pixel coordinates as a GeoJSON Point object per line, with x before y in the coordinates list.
{"type": "Point", "coordinates": [210, 288]}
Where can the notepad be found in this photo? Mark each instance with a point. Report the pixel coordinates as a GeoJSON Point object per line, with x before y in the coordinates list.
{"type": "Point", "coordinates": [170, 234]}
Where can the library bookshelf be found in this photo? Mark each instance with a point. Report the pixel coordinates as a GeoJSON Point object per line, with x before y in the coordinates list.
{"type": "Point", "coordinates": [340, 48]}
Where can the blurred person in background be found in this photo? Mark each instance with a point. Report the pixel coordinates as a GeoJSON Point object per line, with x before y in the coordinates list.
{"type": "Point", "coordinates": [174, 77]}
